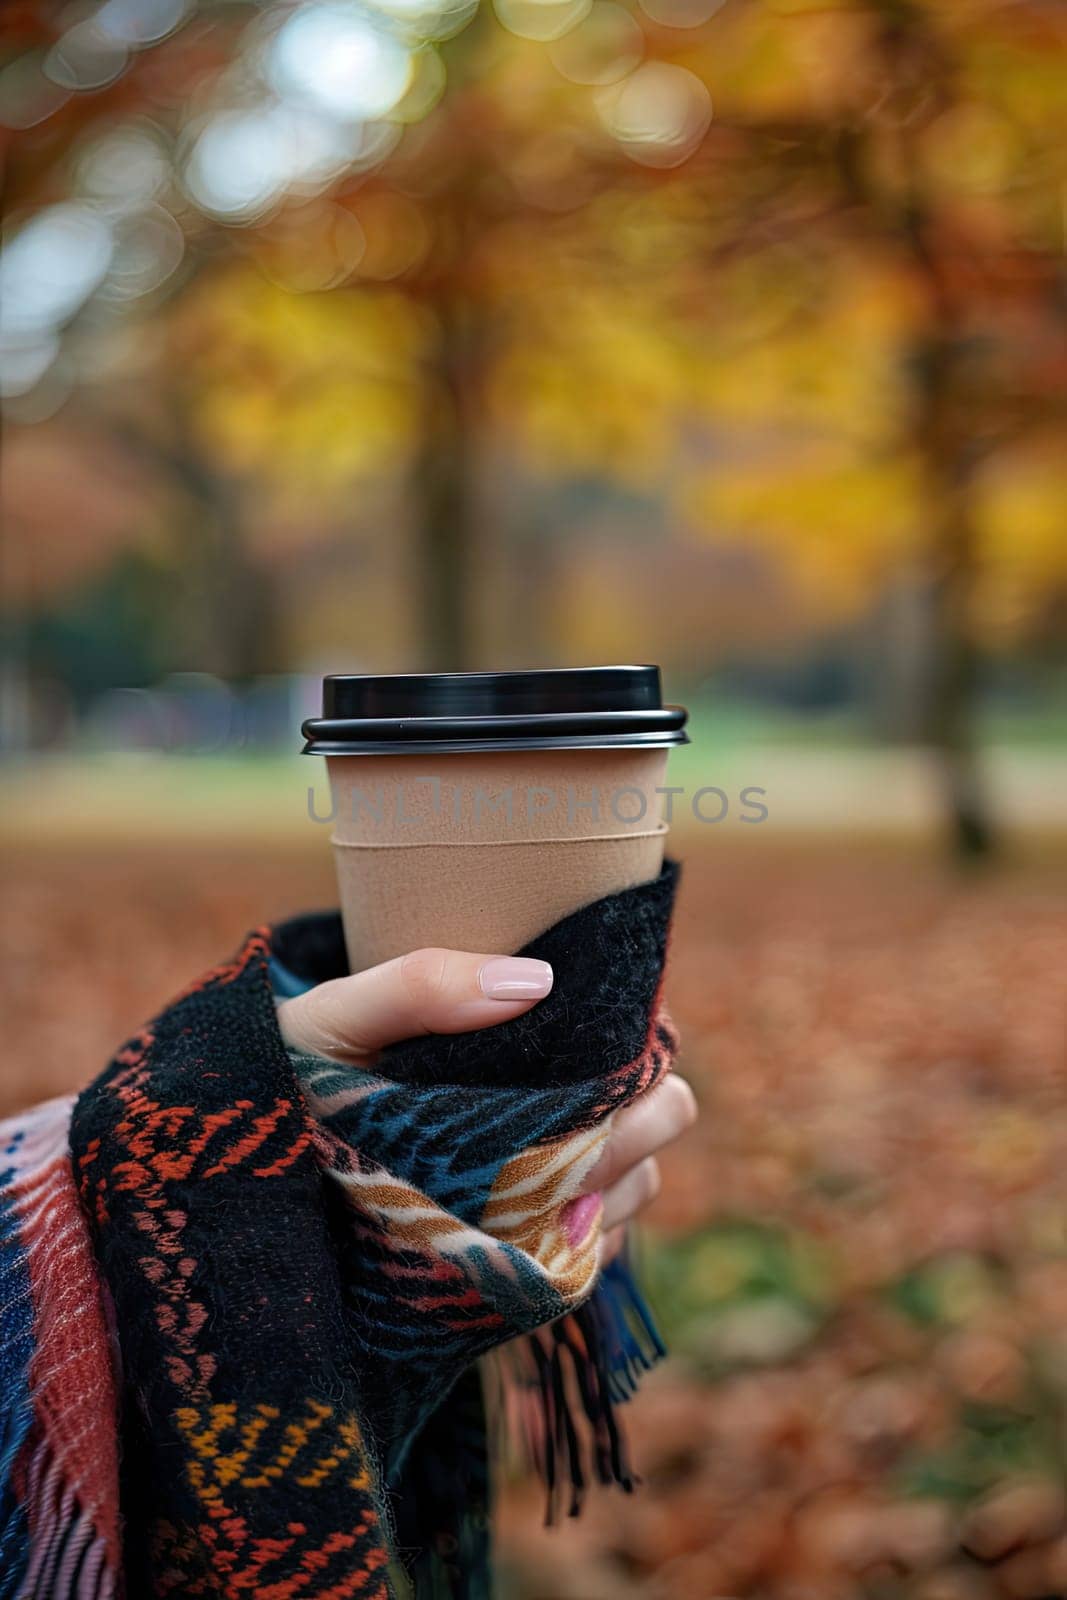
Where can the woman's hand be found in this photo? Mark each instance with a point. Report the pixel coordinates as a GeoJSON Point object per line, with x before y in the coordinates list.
{"type": "Point", "coordinates": [452, 991]}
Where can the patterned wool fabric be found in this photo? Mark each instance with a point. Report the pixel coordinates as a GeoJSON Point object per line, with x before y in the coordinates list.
{"type": "Point", "coordinates": [243, 1291]}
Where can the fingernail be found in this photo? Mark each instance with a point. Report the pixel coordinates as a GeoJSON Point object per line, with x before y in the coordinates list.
{"type": "Point", "coordinates": [515, 978]}
{"type": "Point", "coordinates": [578, 1218]}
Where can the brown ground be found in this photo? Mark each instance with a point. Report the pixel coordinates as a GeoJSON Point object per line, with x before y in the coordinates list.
{"type": "Point", "coordinates": [862, 1251]}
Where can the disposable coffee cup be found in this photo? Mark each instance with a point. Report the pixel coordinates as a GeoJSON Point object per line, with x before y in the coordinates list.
{"type": "Point", "coordinates": [473, 810]}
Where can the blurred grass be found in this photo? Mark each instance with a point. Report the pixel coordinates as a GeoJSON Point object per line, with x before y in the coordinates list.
{"type": "Point", "coordinates": [717, 725]}
{"type": "Point", "coordinates": [814, 774]}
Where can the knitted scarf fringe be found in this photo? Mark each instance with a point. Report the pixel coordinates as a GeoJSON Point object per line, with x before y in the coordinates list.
{"type": "Point", "coordinates": [559, 1390]}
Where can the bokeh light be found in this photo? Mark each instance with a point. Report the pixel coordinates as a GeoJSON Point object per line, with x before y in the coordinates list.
{"type": "Point", "coordinates": [428, 20]}
{"type": "Point", "coordinates": [334, 58]}
{"type": "Point", "coordinates": [604, 47]}
{"type": "Point", "coordinates": [126, 167]}
{"type": "Point", "coordinates": [51, 266]}
{"type": "Point", "coordinates": [243, 161]}
{"type": "Point", "coordinates": [659, 114]}
{"type": "Point", "coordinates": [148, 247]}
{"type": "Point", "coordinates": [239, 164]}
{"type": "Point", "coordinates": [141, 22]}
{"type": "Point", "coordinates": [27, 95]}
{"type": "Point", "coordinates": [48, 270]}
{"type": "Point", "coordinates": [681, 13]}
{"type": "Point", "coordinates": [426, 86]}
{"type": "Point", "coordinates": [85, 57]}
{"type": "Point", "coordinates": [541, 20]}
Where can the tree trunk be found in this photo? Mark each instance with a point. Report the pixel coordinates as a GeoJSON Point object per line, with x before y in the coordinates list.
{"type": "Point", "coordinates": [234, 600]}
{"type": "Point", "coordinates": [941, 430]}
{"type": "Point", "coordinates": [950, 718]}
{"type": "Point", "coordinates": [226, 613]}
{"type": "Point", "coordinates": [445, 518]}
{"type": "Point", "coordinates": [948, 685]}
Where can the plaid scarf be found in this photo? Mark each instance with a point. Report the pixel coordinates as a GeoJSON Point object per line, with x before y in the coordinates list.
{"type": "Point", "coordinates": [242, 1291]}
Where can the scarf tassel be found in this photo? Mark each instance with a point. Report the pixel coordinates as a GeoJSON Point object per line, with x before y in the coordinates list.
{"type": "Point", "coordinates": [569, 1379]}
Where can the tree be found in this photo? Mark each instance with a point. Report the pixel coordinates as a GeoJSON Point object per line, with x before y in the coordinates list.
{"type": "Point", "coordinates": [919, 156]}
{"type": "Point", "coordinates": [828, 327]}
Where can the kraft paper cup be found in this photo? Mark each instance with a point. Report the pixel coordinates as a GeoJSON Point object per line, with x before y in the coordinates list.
{"type": "Point", "coordinates": [483, 852]}
{"type": "Point", "coordinates": [473, 810]}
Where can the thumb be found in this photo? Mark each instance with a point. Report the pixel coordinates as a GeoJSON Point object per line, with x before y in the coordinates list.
{"type": "Point", "coordinates": [427, 991]}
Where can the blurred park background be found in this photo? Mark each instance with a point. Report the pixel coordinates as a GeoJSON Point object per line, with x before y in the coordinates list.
{"type": "Point", "coordinates": [396, 334]}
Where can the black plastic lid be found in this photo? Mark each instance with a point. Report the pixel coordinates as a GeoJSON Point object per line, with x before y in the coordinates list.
{"type": "Point", "coordinates": [426, 712]}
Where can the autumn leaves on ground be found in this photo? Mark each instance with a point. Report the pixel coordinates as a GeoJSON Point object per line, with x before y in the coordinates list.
{"type": "Point", "coordinates": [860, 1257]}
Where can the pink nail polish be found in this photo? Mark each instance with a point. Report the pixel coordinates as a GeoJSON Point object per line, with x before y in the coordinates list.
{"type": "Point", "coordinates": [515, 978]}
{"type": "Point", "coordinates": [579, 1217]}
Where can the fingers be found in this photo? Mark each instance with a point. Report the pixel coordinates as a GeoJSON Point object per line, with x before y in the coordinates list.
{"type": "Point", "coordinates": [427, 991]}
{"type": "Point", "coordinates": [627, 1176]}
{"type": "Point", "coordinates": [611, 1245]}
{"type": "Point", "coordinates": [653, 1120]}
{"type": "Point", "coordinates": [637, 1189]}
{"type": "Point", "coordinates": [451, 991]}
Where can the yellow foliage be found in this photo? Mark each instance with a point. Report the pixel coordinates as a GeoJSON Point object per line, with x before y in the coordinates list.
{"type": "Point", "coordinates": [309, 389]}
{"type": "Point", "coordinates": [599, 389]}
{"type": "Point", "coordinates": [758, 382]}
{"type": "Point", "coordinates": [838, 522]}
{"type": "Point", "coordinates": [1022, 524]}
